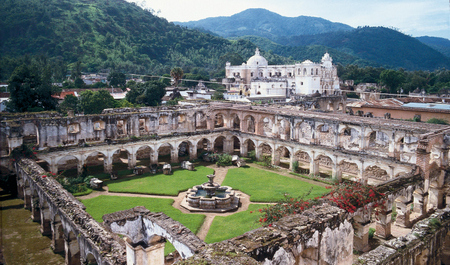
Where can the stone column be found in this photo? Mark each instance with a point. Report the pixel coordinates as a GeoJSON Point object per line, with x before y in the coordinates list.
{"type": "Point", "coordinates": [57, 244]}
{"type": "Point", "coordinates": [174, 156]}
{"type": "Point", "coordinates": [53, 165]}
{"type": "Point", "coordinates": [27, 198]}
{"type": "Point", "coordinates": [107, 163]}
{"type": "Point", "coordinates": [275, 158]}
{"type": "Point", "coordinates": [384, 221]}
{"type": "Point", "coordinates": [154, 157]}
{"type": "Point", "coordinates": [391, 149]}
{"type": "Point", "coordinates": [436, 198]}
{"type": "Point", "coordinates": [314, 167]}
{"type": "Point", "coordinates": [291, 162]}
{"type": "Point", "coordinates": [20, 184]}
{"type": "Point", "coordinates": [193, 152]}
{"type": "Point", "coordinates": [35, 210]}
{"type": "Point", "coordinates": [131, 160]}
{"type": "Point", "coordinates": [420, 202]}
{"type": "Point", "coordinates": [150, 255]}
{"type": "Point", "coordinates": [80, 165]}
{"type": "Point", "coordinates": [361, 236]}
{"type": "Point", "coordinates": [403, 213]}
{"type": "Point", "coordinates": [244, 149]}
{"type": "Point", "coordinates": [46, 229]}
{"type": "Point", "coordinates": [228, 146]}
{"type": "Point", "coordinates": [336, 172]}
{"type": "Point", "coordinates": [72, 252]}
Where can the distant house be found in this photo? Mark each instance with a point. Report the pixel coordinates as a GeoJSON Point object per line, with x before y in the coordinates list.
{"type": "Point", "coordinates": [4, 98]}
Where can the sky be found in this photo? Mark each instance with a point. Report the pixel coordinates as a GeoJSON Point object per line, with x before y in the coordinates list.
{"type": "Point", "coordinates": [412, 17]}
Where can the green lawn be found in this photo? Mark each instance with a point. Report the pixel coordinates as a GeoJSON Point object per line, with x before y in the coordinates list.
{"type": "Point", "coordinates": [161, 184]}
{"type": "Point", "coordinates": [266, 186]}
{"type": "Point", "coordinates": [226, 227]}
{"type": "Point", "coordinates": [103, 204]}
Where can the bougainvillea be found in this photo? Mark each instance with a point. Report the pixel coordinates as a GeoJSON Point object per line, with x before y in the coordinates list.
{"type": "Point", "coordinates": [346, 195]}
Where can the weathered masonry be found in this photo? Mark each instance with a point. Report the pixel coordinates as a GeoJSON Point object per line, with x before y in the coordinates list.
{"type": "Point", "coordinates": [410, 160]}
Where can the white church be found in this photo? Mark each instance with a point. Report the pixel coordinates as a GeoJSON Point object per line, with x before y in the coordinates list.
{"type": "Point", "coordinates": [256, 79]}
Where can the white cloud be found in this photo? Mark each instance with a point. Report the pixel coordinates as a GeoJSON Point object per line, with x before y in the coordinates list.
{"type": "Point", "coordinates": [415, 17]}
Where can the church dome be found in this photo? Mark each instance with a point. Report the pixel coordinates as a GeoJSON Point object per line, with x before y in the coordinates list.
{"type": "Point", "coordinates": [257, 60]}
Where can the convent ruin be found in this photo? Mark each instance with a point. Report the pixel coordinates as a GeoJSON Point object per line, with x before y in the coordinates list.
{"type": "Point", "coordinates": [407, 161]}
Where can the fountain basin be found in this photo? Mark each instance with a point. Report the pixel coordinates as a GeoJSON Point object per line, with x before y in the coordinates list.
{"type": "Point", "coordinates": [224, 199]}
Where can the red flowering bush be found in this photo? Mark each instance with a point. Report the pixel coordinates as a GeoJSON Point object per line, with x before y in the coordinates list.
{"type": "Point", "coordinates": [22, 151]}
{"type": "Point", "coordinates": [346, 195]}
{"type": "Point", "coordinates": [351, 195]}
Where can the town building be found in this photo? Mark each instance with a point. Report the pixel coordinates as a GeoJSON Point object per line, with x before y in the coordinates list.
{"type": "Point", "coordinates": [257, 78]}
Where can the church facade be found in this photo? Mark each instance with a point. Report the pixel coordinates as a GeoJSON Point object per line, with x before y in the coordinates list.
{"type": "Point", "coordinates": [257, 78]}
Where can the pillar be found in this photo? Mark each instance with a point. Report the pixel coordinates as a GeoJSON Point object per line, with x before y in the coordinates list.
{"type": "Point", "coordinates": [420, 202]}
{"type": "Point", "coordinates": [403, 213]}
{"type": "Point", "coordinates": [131, 160]}
{"type": "Point", "coordinates": [192, 152]}
{"type": "Point", "coordinates": [384, 221]}
{"type": "Point", "coordinates": [35, 210]}
{"type": "Point", "coordinates": [54, 166]}
{"type": "Point", "coordinates": [244, 150]}
{"type": "Point", "coordinates": [436, 198]}
{"type": "Point", "coordinates": [361, 236]}
{"type": "Point", "coordinates": [336, 173]}
{"type": "Point", "coordinates": [57, 237]}
{"type": "Point", "coordinates": [275, 157]}
{"type": "Point", "coordinates": [174, 156]}
{"type": "Point", "coordinates": [72, 252]}
{"type": "Point", "coordinates": [80, 166]}
{"type": "Point", "coordinates": [291, 162]}
{"type": "Point", "coordinates": [154, 157]}
{"type": "Point", "coordinates": [314, 167]}
{"type": "Point", "coordinates": [228, 146]}
{"type": "Point", "coordinates": [107, 164]}
{"type": "Point", "coordinates": [145, 255]}
{"type": "Point", "coordinates": [46, 229]}
{"type": "Point", "coordinates": [27, 198]}
{"type": "Point", "coordinates": [20, 193]}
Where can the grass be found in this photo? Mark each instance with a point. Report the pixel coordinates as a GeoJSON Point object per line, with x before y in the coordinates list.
{"type": "Point", "coordinates": [266, 186]}
{"type": "Point", "coordinates": [161, 184]}
{"type": "Point", "coordinates": [101, 205]}
{"type": "Point", "coordinates": [226, 227]}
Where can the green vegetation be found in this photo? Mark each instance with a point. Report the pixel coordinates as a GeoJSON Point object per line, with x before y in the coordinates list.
{"type": "Point", "coordinates": [371, 232]}
{"type": "Point", "coordinates": [161, 184]}
{"type": "Point", "coordinates": [226, 227]}
{"type": "Point", "coordinates": [95, 102]}
{"type": "Point", "coordinates": [221, 160]}
{"type": "Point", "coordinates": [265, 186]}
{"type": "Point", "coordinates": [437, 121]}
{"type": "Point", "coordinates": [149, 93]}
{"type": "Point", "coordinates": [101, 205]}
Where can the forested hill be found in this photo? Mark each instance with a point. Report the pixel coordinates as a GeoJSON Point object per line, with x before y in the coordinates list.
{"type": "Point", "coordinates": [439, 44]}
{"type": "Point", "coordinates": [264, 23]}
{"type": "Point", "coordinates": [111, 34]}
{"type": "Point", "coordinates": [382, 45]}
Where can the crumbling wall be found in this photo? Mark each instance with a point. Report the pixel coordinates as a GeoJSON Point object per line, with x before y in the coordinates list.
{"type": "Point", "coordinates": [423, 245]}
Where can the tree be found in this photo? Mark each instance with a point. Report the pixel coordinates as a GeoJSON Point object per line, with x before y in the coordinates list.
{"type": "Point", "coordinates": [176, 73]}
{"type": "Point", "coordinates": [392, 79]}
{"type": "Point", "coordinates": [95, 102]}
{"type": "Point", "coordinates": [31, 89]}
{"type": "Point", "coordinates": [70, 103]}
{"type": "Point", "coordinates": [117, 79]}
{"type": "Point", "coordinates": [76, 71]}
{"type": "Point", "coordinates": [150, 93]}
{"type": "Point", "coordinates": [218, 96]}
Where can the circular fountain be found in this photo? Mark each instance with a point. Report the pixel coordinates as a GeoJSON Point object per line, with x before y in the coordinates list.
{"type": "Point", "coordinates": [210, 197]}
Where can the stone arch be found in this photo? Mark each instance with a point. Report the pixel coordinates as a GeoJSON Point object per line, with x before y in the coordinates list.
{"type": "Point", "coordinates": [325, 135]}
{"type": "Point", "coordinates": [378, 140]}
{"type": "Point", "coordinates": [200, 120]}
{"type": "Point", "coordinates": [165, 152]}
{"type": "Point", "coordinates": [285, 129]}
{"type": "Point", "coordinates": [69, 163]}
{"type": "Point", "coordinates": [57, 234]}
{"type": "Point", "coordinates": [144, 154]}
{"type": "Point", "coordinates": [30, 134]}
{"type": "Point", "coordinates": [236, 122]}
{"type": "Point", "coordinates": [249, 124]}
{"type": "Point", "coordinates": [282, 157]}
{"type": "Point", "coordinates": [184, 150]}
{"type": "Point", "coordinates": [330, 106]}
{"type": "Point", "coordinates": [375, 172]}
{"type": "Point", "coordinates": [266, 124]}
{"type": "Point", "coordinates": [35, 205]}
{"type": "Point", "coordinates": [341, 107]}
{"type": "Point", "coordinates": [95, 158]}
{"type": "Point", "coordinates": [122, 127]}
{"type": "Point", "coordinates": [249, 146]}
{"type": "Point", "coordinates": [348, 168]}
{"type": "Point", "coordinates": [219, 144]}
{"type": "Point", "coordinates": [324, 165]}
{"type": "Point", "coordinates": [303, 132]}
{"type": "Point", "coordinates": [120, 159]}
{"type": "Point", "coordinates": [236, 144]}
{"type": "Point", "coordinates": [303, 159]}
{"type": "Point", "coordinates": [264, 150]}
{"type": "Point", "coordinates": [203, 145]}
{"type": "Point", "coordinates": [90, 259]}
{"type": "Point", "coordinates": [219, 120]}
{"type": "Point", "coordinates": [349, 138]}
{"type": "Point", "coordinates": [72, 248]}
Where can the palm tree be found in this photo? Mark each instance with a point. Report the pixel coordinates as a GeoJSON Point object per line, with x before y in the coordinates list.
{"type": "Point", "coordinates": [176, 73]}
